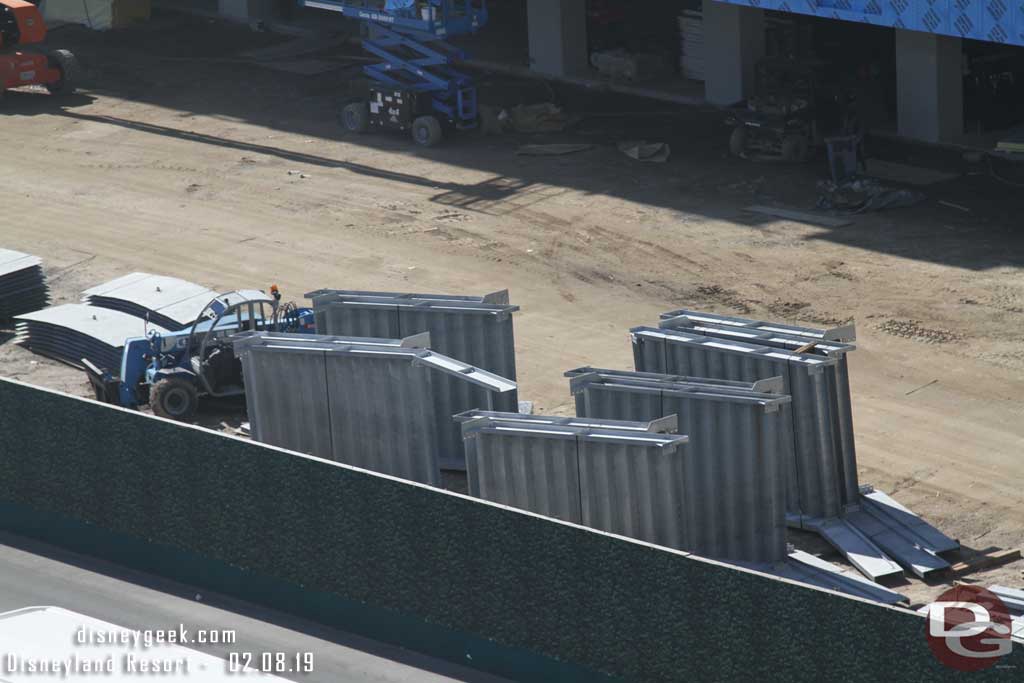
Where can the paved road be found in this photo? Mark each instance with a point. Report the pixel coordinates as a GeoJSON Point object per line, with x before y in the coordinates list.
{"type": "Point", "coordinates": [33, 574]}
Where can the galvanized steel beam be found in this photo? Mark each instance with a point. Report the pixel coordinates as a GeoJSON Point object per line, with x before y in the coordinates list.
{"type": "Point", "coordinates": [816, 468]}
{"type": "Point", "coordinates": [736, 471]}
{"type": "Point", "coordinates": [625, 482]}
{"type": "Point", "coordinates": [766, 334]}
{"type": "Point", "coordinates": [478, 333]}
{"type": "Point", "coordinates": [370, 403]}
{"type": "Point", "coordinates": [843, 333]}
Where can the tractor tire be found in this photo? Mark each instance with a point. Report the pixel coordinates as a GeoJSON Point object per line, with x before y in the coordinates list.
{"type": "Point", "coordinates": [427, 131]}
{"type": "Point", "coordinates": [795, 149]}
{"type": "Point", "coordinates": [738, 141]}
{"type": "Point", "coordinates": [355, 117]}
{"type": "Point", "coordinates": [174, 398]}
{"type": "Point", "coordinates": [67, 64]}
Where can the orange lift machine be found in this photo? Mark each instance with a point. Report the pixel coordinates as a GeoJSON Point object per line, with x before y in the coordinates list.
{"type": "Point", "coordinates": [21, 23]}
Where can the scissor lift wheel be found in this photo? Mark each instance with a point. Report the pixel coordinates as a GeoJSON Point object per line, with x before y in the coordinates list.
{"type": "Point", "coordinates": [427, 131]}
{"type": "Point", "coordinates": [355, 117]}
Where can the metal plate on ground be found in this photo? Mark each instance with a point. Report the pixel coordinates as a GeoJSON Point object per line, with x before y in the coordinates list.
{"type": "Point", "coordinates": [817, 219]}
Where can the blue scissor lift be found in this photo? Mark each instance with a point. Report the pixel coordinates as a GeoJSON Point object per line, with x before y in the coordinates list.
{"type": "Point", "coordinates": [415, 87]}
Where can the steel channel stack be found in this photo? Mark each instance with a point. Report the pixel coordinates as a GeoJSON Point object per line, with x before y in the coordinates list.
{"type": "Point", "coordinates": [740, 446]}
{"type": "Point", "coordinates": [775, 336]}
{"type": "Point", "coordinates": [628, 481]}
{"type": "Point", "coordinates": [22, 284]}
{"type": "Point", "coordinates": [816, 465]}
{"type": "Point", "coordinates": [369, 403]}
{"type": "Point", "coordinates": [771, 385]}
{"type": "Point", "coordinates": [480, 333]}
{"type": "Point", "coordinates": [843, 333]}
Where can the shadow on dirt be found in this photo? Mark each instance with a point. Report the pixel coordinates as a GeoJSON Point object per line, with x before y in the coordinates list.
{"type": "Point", "coordinates": [199, 67]}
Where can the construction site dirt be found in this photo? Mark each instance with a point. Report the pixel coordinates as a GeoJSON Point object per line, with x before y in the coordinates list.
{"type": "Point", "coordinates": [182, 157]}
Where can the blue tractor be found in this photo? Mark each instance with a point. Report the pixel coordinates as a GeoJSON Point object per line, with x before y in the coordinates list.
{"type": "Point", "coordinates": [414, 88]}
{"type": "Point", "coordinates": [170, 372]}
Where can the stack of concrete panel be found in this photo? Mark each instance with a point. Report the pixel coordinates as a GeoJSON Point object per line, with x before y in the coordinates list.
{"type": "Point", "coordinates": [837, 376]}
{"type": "Point", "coordinates": [476, 330]}
{"type": "Point", "coordinates": [22, 284]}
{"type": "Point", "coordinates": [804, 376]}
{"type": "Point", "coordinates": [740, 445]}
{"type": "Point", "coordinates": [620, 478]}
{"type": "Point", "coordinates": [831, 342]}
{"type": "Point", "coordinates": [73, 332]}
{"type": "Point", "coordinates": [542, 484]}
{"type": "Point", "coordinates": [536, 467]}
{"type": "Point", "coordinates": [879, 536]}
{"type": "Point", "coordinates": [376, 404]}
{"type": "Point", "coordinates": [169, 302]}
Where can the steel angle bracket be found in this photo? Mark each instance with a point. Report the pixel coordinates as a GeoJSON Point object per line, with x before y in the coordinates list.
{"type": "Point", "coordinates": [844, 333]}
{"type": "Point", "coordinates": [416, 341]}
{"type": "Point", "coordinates": [665, 425]}
{"type": "Point", "coordinates": [772, 385]}
{"type": "Point", "coordinates": [499, 298]}
{"type": "Point", "coordinates": [579, 383]}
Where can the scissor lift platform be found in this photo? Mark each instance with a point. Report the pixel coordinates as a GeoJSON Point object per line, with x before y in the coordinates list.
{"type": "Point", "coordinates": [414, 88]}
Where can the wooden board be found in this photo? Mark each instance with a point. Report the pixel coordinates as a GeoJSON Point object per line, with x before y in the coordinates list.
{"type": "Point", "coordinates": [988, 561]}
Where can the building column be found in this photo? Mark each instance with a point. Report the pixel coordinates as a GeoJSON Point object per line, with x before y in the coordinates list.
{"type": "Point", "coordinates": [929, 86]}
{"type": "Point", "coordinates": [733, 42]}
{"type": "Point", "coordinates": [558, 36]}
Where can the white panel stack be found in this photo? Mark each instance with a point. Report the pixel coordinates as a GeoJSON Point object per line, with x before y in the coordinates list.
{"type": "Point", "coordinates": [73, 332]}
{"type": "Point", "coordinates": [22, 284]}
{"type": "Point", "coordinates": [691, 44]}
{"type": "Point", "coordinates": [171, 303]}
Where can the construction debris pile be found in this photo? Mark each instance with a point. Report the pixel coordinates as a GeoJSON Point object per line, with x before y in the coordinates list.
{"type": "Point", "coordinates": [22, 284]}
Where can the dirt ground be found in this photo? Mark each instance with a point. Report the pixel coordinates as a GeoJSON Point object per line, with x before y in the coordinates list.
{"type": "Point", "coordinates": [182, 158]}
